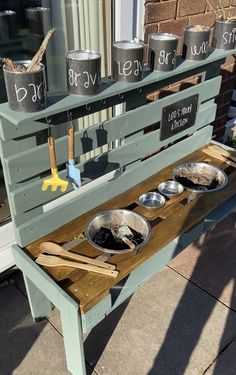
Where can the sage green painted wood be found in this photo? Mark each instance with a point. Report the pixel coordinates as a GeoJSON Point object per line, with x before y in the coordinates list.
{"type": "Point", "coordinates": [136, 278]}
{"type": "Point", "coordinates": [27, 197]}
{"type": "Point", "coordinates": [40, 306]}
{"type": "Point", "coordinates": [49, 221]}
{"type": "Point", "coordinates": [35, 160]}
{"type": "Point", "coordinates": [186, 68]}
{"type": "Point", "coordinates": [72, 336]}
{"type": "Point", "coordinates": [7, 131]}
{"type": "Point", "coordinates": [40, 278]}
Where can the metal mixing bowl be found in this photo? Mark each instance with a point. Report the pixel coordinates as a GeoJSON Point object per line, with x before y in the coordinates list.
{"type": "Point", "coordinates": [201, 169]}
{"type": "Point", "coordinates": [118, 217]}
{"type": "Point", "coordinates": [152, 200]}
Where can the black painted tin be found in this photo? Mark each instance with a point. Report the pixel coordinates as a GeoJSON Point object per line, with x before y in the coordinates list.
{"type": "Point", "coordinates": [26, 92]}
{"type": "Point", "coordinates": [83, 69]}
{"type": "Point", "coordinates": [127, 61]}
{"type": "Point", "coordinates": [196, 43]}
{"type": "Point", "coordinates": [162, 51]}
{"type": "Point", "coordinates": [39, 20]}
{"type": "Point", "coordinates": [8, 25]}
{"type": "Point", "coordinates": [224, 36]}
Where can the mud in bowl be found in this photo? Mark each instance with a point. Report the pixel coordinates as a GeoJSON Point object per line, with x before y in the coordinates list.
{"type": "Point", "coordinates": [26, 91]}
{"type": "Point", "coordinates": [83, 68]}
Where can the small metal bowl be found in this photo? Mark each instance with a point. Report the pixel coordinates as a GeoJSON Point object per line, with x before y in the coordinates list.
{"type": "Point", "coordinates": [170, 188]}
{"type": "Point", "coordinates": [199, 169]}
{"type": "Point", "coordinates": [152, 200]}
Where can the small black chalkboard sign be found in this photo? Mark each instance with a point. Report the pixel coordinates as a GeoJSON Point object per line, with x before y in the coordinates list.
{"type": "Point", "coordinates": [178, 116]}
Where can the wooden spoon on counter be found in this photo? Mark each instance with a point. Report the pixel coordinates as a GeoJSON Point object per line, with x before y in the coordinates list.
{"type": "Point", "coordinates": [53, 261]}
{"type": "Point", "coordinates": [54, 249]}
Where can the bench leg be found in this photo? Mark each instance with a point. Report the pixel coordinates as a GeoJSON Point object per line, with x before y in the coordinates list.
{"type": "Point", "coordinates": [73, 337]}
{"type": "Point", "coordinates": [40, 305]}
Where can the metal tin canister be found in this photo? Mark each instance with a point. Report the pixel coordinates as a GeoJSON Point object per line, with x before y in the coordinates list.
{"type": "Point", "coordinates": [224, 36]}
{"type": "Point", "coordinates": [39, 19]}
{"type": "Point", "coordinates": [196, 43]}
{"type": "Point", "coordinates": [162, 51]}
{"type": "Point", "coordinates": [83, 69]}
{"type": "Point", "coordinates": [8, 25]}
{"type": "Point", "coordinates": [26, 92]}
{"type": "Point", "coordinates": [127, 60]}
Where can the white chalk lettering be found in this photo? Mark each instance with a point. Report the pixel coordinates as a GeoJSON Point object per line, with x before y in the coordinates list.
{"type": "Point", "coordinates": [40, 91]}
{"type": "Point", "coordinates": [179, 123]}
{"type": "Point", "coordinates": [229, 37]}
{"type": "Point", "coordinates": [199, 50]}
{"type": "Point", "coordinates": [37, 92]}
{"type": "Point", "coordinates": [93, 80]}
{"type": "Point", "coordinates": [138, 67]}
{"type": "Point", "coordinates": [129, 67]}
{"type": "Point", "coordinates": [163, 58]}
{"type": "Point", "coordinates": [74, 78]}
{"type": "Point", "coordinates": [186, 110]}
{"type": "Point", "coordinates": [20, 93]}
{"type": "Point", "coordinates": [173, 115]}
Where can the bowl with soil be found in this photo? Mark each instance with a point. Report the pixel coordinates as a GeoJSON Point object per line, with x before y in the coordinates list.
{"type": "Point", "coordinates": [200, 177]}
{"type": "Point", "coordinates": [118, 231]}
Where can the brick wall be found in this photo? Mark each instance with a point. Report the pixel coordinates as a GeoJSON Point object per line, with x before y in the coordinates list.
{"type": "Point", "coordinates": [171, 16]}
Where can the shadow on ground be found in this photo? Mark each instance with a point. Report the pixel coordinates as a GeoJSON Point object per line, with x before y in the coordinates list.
{"type": "Point", "coordinates": [214, 270]}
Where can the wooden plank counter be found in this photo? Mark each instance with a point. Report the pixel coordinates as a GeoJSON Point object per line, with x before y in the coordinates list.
{"type": "Point", "coordinates": [169, 222]}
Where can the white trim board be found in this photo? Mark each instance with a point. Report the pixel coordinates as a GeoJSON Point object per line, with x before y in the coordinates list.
{"type": "Point", "coordinates": [7, 240]}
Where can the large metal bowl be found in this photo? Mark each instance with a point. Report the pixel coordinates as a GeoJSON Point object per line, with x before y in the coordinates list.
{"type": "Point", "coordinates": [118, 217]}
{"type": "Point", "coordinates": [200, 169]}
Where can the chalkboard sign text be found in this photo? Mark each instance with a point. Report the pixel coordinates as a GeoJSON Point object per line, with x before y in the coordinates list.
{"type": "Point", "coordinates": [178, 116]}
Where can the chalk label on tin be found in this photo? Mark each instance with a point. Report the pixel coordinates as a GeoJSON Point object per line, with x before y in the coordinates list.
{"type": "Point", "coordinates": [202, 49]}
{"type": "Point", "coordinates": [229, 37]}
{"type": "Point", "coordinates": [165, 56]}
{"type": "Point", "coordinates": [86, 78]}
{"type": "Point", "coordinates": [129, 67]}
{"type": "Point", "coordinates": [36, 92]}
{"type": "Point", "coordinates": [178, 117]}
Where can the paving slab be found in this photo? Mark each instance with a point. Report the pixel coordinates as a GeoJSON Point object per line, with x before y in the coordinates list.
{"type": "Point", "coordinates": [27, 348]}
{"type": "Point", "coordinates": [169, 327]}
{"type": "Point", "coordinates": [225, 364]}
{"type": "Point", "coordinates": [211, 262]}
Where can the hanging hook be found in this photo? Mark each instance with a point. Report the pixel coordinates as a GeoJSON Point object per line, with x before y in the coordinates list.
{"type": "Point", "coordinates": [103, 101]}
{"type": "Point", "coordinates": [69, 118]}
{"type": "Point", "coordinates": [88, 107]}
{"type": "Point", "coordinates": [121, 96]}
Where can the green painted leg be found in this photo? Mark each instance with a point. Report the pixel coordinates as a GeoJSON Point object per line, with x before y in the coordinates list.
{"type": "Point", "coordinates": [40, 305]}
{"type": "Point", "coordinates": [73, 337]}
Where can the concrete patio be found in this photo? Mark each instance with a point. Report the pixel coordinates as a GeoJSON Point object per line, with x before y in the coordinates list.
{"type": "Point", "coordinates": [182, 322]}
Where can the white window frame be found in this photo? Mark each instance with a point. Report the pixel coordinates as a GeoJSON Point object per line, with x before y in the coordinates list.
{"type": "Point", "coordinates": [128, 18]}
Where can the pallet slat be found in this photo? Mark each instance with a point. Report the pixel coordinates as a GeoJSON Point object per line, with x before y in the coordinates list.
{"type": "Point", "coordinates": [33, 161]}
{"type": "Point", "coordinates": [31, 195]}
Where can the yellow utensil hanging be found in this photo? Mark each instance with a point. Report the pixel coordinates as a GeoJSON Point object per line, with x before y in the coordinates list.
{"type": "Point", "coordinates": [54, 181]}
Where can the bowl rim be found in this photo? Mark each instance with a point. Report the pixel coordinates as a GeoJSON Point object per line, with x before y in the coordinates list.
{"type": "Point", "coordinates": [162, 198]}
{"type": "Point", "coordinates": [171, 194]}
{"type": "Point", "coordinates": [203, 164]}
{"type": "Point", "coordinates": [105, 250]}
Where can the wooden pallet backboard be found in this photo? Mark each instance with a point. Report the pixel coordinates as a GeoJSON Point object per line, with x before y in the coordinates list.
{"type": "Point", "coordinates": [24, 151]}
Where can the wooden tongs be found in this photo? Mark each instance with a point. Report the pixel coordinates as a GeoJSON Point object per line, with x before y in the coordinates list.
{"type": "Point", "coordinates": [221, 154]}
